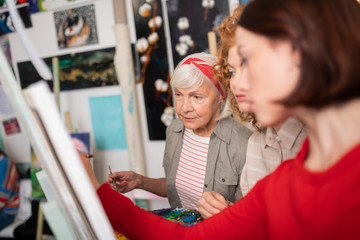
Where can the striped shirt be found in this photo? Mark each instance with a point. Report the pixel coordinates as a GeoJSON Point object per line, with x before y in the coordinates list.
{"type": "Point", "coordinates": [267, 149]}
{"type": "Point", "coordinates": [190, 175]}
{"type": "Point", "coordinates": [9, 186]}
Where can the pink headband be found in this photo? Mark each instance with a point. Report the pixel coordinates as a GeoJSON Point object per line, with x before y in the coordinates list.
{"type": "Point", "coordinates": [205, 69]}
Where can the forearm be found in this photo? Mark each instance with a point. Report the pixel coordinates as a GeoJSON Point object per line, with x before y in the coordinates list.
{"type": "Point", "coordinates": [154, 185]}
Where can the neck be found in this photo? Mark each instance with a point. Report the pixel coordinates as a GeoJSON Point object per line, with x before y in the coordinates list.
{"type": "Point", "coordinates": [206, 131]}
{"type": "Point", "coordinates": [332, 132]}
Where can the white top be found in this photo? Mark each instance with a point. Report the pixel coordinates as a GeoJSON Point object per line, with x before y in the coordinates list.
{"type": "Point", "coordinates": [190, 175]}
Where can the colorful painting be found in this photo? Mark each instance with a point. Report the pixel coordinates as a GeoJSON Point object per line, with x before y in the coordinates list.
{"type": "Point", "coordinates": [155, 77]}
{"type": "Point", "coordinates": [190, 21]}
{"type": "Point", "coordinates": [6, 25]}
{"type": "Point", "coordinates": [76, 71]}
{"type": "Point", "coordinates": [76, 26]}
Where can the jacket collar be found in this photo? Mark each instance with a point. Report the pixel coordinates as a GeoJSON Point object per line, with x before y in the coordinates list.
{"type": "Point", "coordinates": [287, 134]}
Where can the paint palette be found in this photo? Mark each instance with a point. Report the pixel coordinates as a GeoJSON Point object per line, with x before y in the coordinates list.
{"type": "Point", "coordinates": [186, 217]}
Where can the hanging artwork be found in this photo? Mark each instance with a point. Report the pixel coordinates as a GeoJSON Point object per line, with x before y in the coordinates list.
{"type": "Point", "coordinates": [151, 50]}
{"type": "Point", "coordinates": [76, 71]}
{"type": "Point", "coordinates": [76, 27]}
{"type": "Point", "coordinates": [190, 21]}
{"type": "Point", "coordinates": [6, 25]}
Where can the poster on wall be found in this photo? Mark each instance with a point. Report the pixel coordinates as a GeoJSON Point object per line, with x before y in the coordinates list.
{"type": "Point", "coordinates": [190, 22]}
{"type": "Point", "coordinates": [151, 50]}
{"type": "Point", "coordinates": [76, 71]}
{"type": "Point", "coordinates": [76, 27]}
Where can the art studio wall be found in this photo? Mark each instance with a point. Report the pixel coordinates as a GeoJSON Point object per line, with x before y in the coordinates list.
{"type": "Point", "coordinates": [93, 107]}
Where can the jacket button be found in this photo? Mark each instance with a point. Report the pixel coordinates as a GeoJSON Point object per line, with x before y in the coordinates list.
{"type": "Point", "coordinates": [205, 185]}
{"type": "Point", "coordinates": [223, 179]}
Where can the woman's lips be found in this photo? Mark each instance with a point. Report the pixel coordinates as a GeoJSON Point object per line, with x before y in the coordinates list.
{"type": "Point", "coordinates": [188, 119]}
{"type": "Point", "coordinates": [241, 98]}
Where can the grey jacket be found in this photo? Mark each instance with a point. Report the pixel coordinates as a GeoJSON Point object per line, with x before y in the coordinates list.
{"type": "Point", "coordinates": [226, 158]}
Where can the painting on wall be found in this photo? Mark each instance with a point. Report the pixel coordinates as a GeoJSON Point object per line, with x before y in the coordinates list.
{"type": "Point", "coordinates": [190, 22]}
{"type": "Point", "coordinates": [155, 76]}
{"type": "Point", "coordinates": [6, 25]}
{"type": "Point", "coordinates": [76, 27]}
{"type": "Point", "coordinates": [76, 71]}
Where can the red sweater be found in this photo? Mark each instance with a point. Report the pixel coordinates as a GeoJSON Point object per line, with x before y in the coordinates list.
{"type": "Point", "coordinates": [290, 203]}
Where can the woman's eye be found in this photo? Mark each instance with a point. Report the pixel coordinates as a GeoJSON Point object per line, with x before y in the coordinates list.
{"type": "Point", "coordinates": [243, 61]}
{"type": "Point", "coordinates": [231, 74]}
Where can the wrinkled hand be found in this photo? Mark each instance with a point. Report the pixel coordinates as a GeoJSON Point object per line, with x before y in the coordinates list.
{"type": "Point", "coordinates": [125, 180]}
{"type": "Point", "coordinates": [211, 203]}
{"type": "Point", "coordinates": [89, 170]}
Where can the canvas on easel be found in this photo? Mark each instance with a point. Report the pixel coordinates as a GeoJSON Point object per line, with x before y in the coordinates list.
{"type": "Point", "coordinates": [75, 196]}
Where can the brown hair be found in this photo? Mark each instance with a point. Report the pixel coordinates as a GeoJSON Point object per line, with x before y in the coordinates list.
{"type": "Point", "coordinates": [221, 71]}
{"type": "Point", "coordinates": [327, 35]}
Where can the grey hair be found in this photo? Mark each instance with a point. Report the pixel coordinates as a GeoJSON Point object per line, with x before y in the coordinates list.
{"type": "Point", "coordinates": [188, 75]}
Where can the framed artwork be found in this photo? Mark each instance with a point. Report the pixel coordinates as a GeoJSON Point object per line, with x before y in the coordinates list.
{"type": "Point", "coordinates": [76, 27]}
{"type": "Point", "coordinates": [76, 71]}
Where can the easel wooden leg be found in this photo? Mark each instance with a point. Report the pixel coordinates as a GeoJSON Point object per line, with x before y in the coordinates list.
{"type": "Point", "coordinates": [40, 223]}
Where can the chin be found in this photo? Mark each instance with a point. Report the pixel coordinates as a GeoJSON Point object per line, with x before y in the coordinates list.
{"type": "Point", "coordinates": [269, 121]}
{"type": "Point", "coordinates": [244, 107]}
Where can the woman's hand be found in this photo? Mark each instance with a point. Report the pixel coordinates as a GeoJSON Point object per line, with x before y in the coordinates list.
{"type": "Point", "coordinates": [125, 180]}
{"type": "Point", "coordinates": [211, 203]}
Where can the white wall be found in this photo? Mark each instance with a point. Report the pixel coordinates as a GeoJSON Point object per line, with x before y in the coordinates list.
{"type": "Point", "coordinates": [43, 36]}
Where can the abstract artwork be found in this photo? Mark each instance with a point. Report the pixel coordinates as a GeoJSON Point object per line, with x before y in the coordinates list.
{"type": "Point", "coordinates": [76, 27]}
{"type": "Point", "coordinates": [76, 71]}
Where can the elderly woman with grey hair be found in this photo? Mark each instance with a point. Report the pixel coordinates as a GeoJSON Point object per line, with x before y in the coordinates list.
{"type": "Point", "coordinates": [203, 152]}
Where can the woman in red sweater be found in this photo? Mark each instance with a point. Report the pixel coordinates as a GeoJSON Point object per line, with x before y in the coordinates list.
{"type": "Point", "coordinates": [300, 58]}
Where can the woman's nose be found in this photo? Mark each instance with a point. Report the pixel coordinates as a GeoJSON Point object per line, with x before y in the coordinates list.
{"type": "Point", "coordinates": [239, 81]}
{"type": "Point", "coordinates": [186, 105]}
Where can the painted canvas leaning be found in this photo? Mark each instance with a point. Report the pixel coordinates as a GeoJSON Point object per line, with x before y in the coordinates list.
{"type": "Point", "coordinates": [75, 197]}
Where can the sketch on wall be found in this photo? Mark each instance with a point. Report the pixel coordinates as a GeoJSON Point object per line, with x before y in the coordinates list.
{"type": "Point", "coordinates": [76, 27]}
{"type": "Point", "coordinates": [190, 22]}
{"type": "Point", "coordinates": [76, 71]}
{"type": "Point", "coordinates": [151, 48]}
